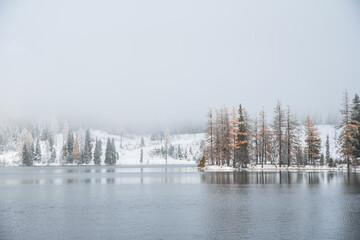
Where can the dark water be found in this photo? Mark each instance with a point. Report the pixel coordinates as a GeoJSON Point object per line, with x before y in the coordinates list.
{"type": "Point", "coordinates": [176, 203]}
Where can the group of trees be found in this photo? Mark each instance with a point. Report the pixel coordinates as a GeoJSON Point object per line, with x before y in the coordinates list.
{"type": "Point", "coordinates": [30, 148]}
{"type": "Point", "coordinates": [227, 140]}
{"type": "Point", "coordinates": [76, 151]}
{"type": "Point", "coordinates": [349, 137]}
{"type": "Point", "coordinates": [243, 140]}
{"type": "Point", "coordinates": [173, 151]}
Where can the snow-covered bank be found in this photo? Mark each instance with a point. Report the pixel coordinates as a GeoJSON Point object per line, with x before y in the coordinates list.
{"type": "Point", "coordinates": [214, 168]}
{"type": "Point", "coordinates": [269, 167]}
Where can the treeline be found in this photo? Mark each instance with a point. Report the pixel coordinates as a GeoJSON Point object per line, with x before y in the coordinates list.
{"type": "Point", "coordinates": [74, 151]}
{"type": "Point", "coordinates": [174, 151]}
{"type": "Point", "coordinates": [237, 140]}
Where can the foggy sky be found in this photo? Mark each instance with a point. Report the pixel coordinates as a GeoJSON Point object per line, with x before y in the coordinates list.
{"type": "Point", "coordinates": [145, 63]}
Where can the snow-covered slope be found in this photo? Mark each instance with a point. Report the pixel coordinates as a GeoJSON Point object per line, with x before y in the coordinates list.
{"type": "Point", "coordinates": [129, 153]}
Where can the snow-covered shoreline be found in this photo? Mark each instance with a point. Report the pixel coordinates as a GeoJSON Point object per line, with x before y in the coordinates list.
{"type": "Point", "coordinates": [272, 168]}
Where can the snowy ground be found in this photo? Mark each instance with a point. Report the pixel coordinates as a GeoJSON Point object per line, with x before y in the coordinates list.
{"type": "Point", "coordinates": [129, 153]}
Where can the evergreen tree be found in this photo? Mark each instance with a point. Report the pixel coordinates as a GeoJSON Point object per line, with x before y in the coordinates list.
{"type": "Point", "coordinates": [355, 120]}
{"type": "Point", "coordinates": [348, 131]}
{"type": "Point", "coordinates": [86, 158]}
{"type": "Point", "coordinates": [312, 141]}
{"type": "Point", "coordinates": [141, 156]}
{"type": "Point", "coordinates": [53, 156]}
{"type": "Point", "coordinates": [70, 147]}
{"type": "Point", "coordinates": [242, 140]}
{"type": "Point", "coordinates": [98, 152]}
{"type": "Point", "coordinates": [27, 159]}
{"type": "Point", "coordinates": [180, 156]}
{"type": "Point", "coordinates": [32, 152]}
{"type": "Point", "coordinates": [51, 143]}
{"type": "Point", "coordinates": [37, 151]}
{"type": "Point", "coordinates": [110, 153]}
{"type": "Point", "coordinates": [322, 159]}
{"type": "Point", "coordinates": [327, 146]}
{"type": "Point", "coordinates": [64, 154]}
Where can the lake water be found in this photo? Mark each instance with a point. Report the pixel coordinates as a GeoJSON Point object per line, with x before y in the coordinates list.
{"type": "Point", "coordinates": [171, 202]}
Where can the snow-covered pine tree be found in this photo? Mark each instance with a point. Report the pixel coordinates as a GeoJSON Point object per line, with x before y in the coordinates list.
{"type": "Point", "coordinates": [347, 131]}
{"type": "Point", "coordinates": [242, 140]}
{"type": "Point", "coordinates": [257, 138]}
{"type": "Point", "coordinates": [115, 154]}
{"type": "Point", "coordinates": [27, 158]}
{"type": "Point", "coordinates": [37, 156]}
{"type": "Point", "coordinates": [327, 149]}
{"type": "Point", "coordinates": [355, 119]}
{"type": "Point", "coordinates": [322, 159]}
{"type": "Point", "coordinates": [109, 153]}
{"type": "Point", "coordinates": [141, 155]}
{"type": "Point", "coordinates": [69, 147]}
{"type": "Point", "coordinates": [291, 137]}
{"type": "Point", "coordinates": [278, 129]}
{"type": "Point", "coordinates": [32, 151]}
{"type": "Point", "coordinates": [312, 141]}
{"type": "Point", "coordinates": [87, 155]}
{"type": "Point", "coordinates": [52, 156]}
{"type": "Point", "coordinates": [98, 152]}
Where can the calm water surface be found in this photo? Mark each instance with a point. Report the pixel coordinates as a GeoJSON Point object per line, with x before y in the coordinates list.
{"type": "Point", "coordinates": [169, 202]}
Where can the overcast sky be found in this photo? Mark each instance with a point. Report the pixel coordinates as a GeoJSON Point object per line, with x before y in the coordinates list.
{"type": "Point", "coordinates": [157, 62]}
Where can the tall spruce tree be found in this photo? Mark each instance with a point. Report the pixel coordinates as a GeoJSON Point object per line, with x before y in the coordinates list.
{"type": "Point", "coordinates": [355, 120]}
{"type": "Point", "coordinates": [242, 139]}
{"type": "Point", "coordinates": [327, 149]}
{"type": "Point", "coordinates": [69, 147]}
{"type": "Point", "coordinates": [98, 152]}
{"type": "Point", "coordinates": [87, 148]}
{"type": "Point", "coordinates": [27, 156]}
{"type": "Point", "coordinates": [141, 156]}
{"type": "Point", "coordinates": [37, 156]}
{"type": "Point", "coordinates": [110, 153]}
{"type": "Point", "coordinates": [52, 156]}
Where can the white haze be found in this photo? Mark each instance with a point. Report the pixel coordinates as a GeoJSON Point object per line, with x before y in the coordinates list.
{"type": "Point", "coordinates": [152, 63]}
